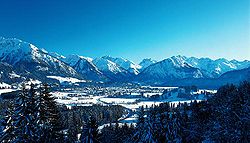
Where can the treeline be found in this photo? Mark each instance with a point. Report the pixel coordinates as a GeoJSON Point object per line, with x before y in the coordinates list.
{"type": "Point", "coordinates": [34, 116]}
{"type": "Point", "coordinates": [116, 133]}
{"type": "Point", "coordinates": [224, 117]}
{"type": "Point", "coordinates": [76, 118]}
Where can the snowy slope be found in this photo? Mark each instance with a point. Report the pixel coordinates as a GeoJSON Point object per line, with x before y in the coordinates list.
{"type": "Point", "coordinates": [55, 55]}
{"type": "Point", "coordinates": [231, 77]}
{"type": "Point", "coordinates": [72, 59]}
{"type": "Point", "coordinates": [146, 62]}
{"type": "Point", "coordinates": [8, 74]}
{"type": "Point", "coordinates": [21, 60]}
{"type": "Point", "coordinates": [171, 68]}
{"type": "Point", "coordinates": [181, 67]}
{"type": "Point", "coordinates": [108, 66]}
{"type": "Point", "coordinates": [85, 67]}
{"type": "Point", "coordinates": [125, 64]}
{"type": "Point", "coordinates": [236, 76]}
{"type": "Point", "coordinates": [30, 61]}
{"type": "Point", "coordinates": [66, 79]}
{"type": "Point", "coordinates": [111, 69]}
{"type": "Point", "coordinates": [215, 68]}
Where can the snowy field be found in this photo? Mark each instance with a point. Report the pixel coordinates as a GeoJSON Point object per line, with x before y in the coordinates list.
{"type": "Point", "coordinates": [131, 119]}
{"type": "Point", "coordinates": [76, 99]}
{"type": "Point", "coordinates": [66, 79]}
{"type": "Point", "coordinates": [148, 94]}
{"type": "Point", "coordinates": [202, 90]}
{"type": "Point", "coordinates": [159, 87]}
{"type": "Point", "coordinates": [131, 98]}
{"type": "Point", "coordinates": [132, 101]}
{"type": "Point", "coordinates": [82, 99]}
{"type": "Point", "coordinates": [151, 103]}
{"type": "Point", "coordinates": [6, 90]}
{"type": "Point", "coordinates": [118, 100]}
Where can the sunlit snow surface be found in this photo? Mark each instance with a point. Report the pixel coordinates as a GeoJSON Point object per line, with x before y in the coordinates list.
{"type": "Point", "coordinates": [149, 103]}
{"type": "Point", "coordinates": [81, 98]}
{"type": "Point", "coordinates": [131, 101]}
{"type": "Point", "coordinates": [6, 90]}
{"type": "Point", "coordinates": [66, 79]}
{"type": "Point", "coordinates": [4, 85]}
{"type": "Point", "coordinates": [118, 100]}
{"type": "Point", "coordinates": [159, 87]}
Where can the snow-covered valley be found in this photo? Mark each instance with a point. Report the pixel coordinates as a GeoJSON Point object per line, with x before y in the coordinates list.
{"type": "Point", "coordinates": [115, 91]}
{"type": "Point", "coordinates": [132, 98]}
{"type": "Point", "coordinates": [127, 97]}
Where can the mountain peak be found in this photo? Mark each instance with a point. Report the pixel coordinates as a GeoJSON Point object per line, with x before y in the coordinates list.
{"type": "Point", "coordinates": [125, 64]}
{"type": "Point", "coordinates": [178, 61]}
{"type": "Point", "coordinates": [13, 50]}
{"type": "Point", "coordinates": [146, 62]}
{"type": "Point", "coordinates": [11, 44]}
{"type": "Point", "coordinates": [106, 57]}
{"type": "Point", "coordinates": [86, 58]}
{"type": "Point", "coordinates": [30, 61]}
{"type": "Point", "coordinates": [54, 54]}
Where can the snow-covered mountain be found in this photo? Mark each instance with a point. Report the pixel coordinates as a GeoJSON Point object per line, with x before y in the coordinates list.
{"type": "Point", "coordinates": [8, 74]}
{"type": "Point", "coordinates": [236, 75]}
{"type": "Point", "coordinates": [213, 68]}
{"type": "Point", "coordinates": [230, 77]}
{"type": "Point", "coordinates": [55, 55]}
{"type": "Point", "coordinates": [125, 64]}
{"type": "Point", "coordinates": [111, 69]}
{"type": "Point", "coordinates": [29, 61]}
{"type": "Point", "coordinates": [21, 60]}
{"type": "Point", "coordinates": [168, 69]}
{"type": "Point", "coordinates": [85, 67]}
{"type": "Point", "coordinates": [181, 67]}
{"type": "Point", "coordinates": [146, 62]}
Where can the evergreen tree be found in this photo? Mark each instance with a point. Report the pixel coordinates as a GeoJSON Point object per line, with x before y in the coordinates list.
{"type": "Point", "coordinates": [90, 131]}
{"type": "Point", "coordinates": [23, 119]}
{"type": "Point", "coordinates": [149, 134]}
{"type": "Point", "coordinates": [41, 120]}
{"type": "Point", "coordinates": [72, 130]}
{"type": "Point", "coordinates": [243, 112]}
{"type": "Point", "coordinates": [139, 125]}
{"type": "Point", "coordinates": [35, 118]}
{"type": "Point", "coordinates": [7, 134]}
{"type": "Point", "coordinates": [32, 110]}
{"type": "Point", "coordinates": [52, 127]}
{"type": "Point", "coordinates": [231, 120]}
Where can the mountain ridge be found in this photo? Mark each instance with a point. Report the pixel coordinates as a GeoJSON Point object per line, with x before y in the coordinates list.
{"type": "Point", "coordinates": [25, 59]}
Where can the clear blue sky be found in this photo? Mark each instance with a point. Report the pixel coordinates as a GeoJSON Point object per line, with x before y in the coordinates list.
{"type": "Point", "coordinates": [134, 29]}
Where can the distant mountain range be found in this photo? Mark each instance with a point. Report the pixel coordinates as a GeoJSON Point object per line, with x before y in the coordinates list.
{"type": "Point", "coordinates": [21, 60]}
{"type": "Point", "coordinates": [27, 61]}
{"type": "Point", "coordinates": [235, 77]}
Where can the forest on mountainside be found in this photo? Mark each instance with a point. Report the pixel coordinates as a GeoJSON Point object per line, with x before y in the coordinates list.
{"type": "Point", "coordinates": [34, 116]}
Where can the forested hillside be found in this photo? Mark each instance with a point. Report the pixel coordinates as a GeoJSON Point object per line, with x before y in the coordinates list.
{"type": "Point", "coordinates": [34, 116]}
